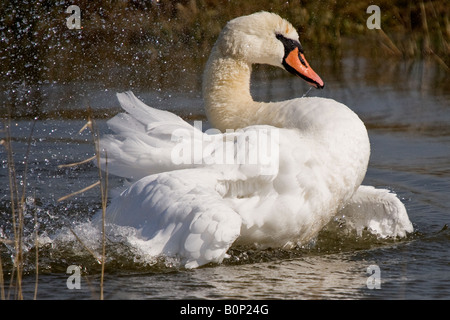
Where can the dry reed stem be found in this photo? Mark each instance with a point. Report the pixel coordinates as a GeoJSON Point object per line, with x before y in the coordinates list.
{"type": "Point", "coordinates": [2, 281]}
{"type": "Point", "coordinates": [104, 195]}
{"type": "Point", "coordinates": [36, 245]}
{"type": "Point", "coordinates": [79, 191]}
{"type": "Point", "coordinates": [390, 44]}
{"type": "Point", "coordinates": [18, 205]}
{"type": "Point", "coordinates": [103, 183]}
{"type": "Point", "coordinates": [69, 165]}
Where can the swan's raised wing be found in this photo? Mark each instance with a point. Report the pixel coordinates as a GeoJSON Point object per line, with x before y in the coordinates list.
{"type": "Point", "coordinates": [141, 143]}
{"type": "Point", "coordinates": [148, 141]}
{"type": "Point", "coordinates": [379, 211]}
{"type": "Point", "coordinates": [179, 214]}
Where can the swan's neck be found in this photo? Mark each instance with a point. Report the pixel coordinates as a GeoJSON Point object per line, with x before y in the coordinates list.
{"type": "Point", "coordinates": [226, 93]}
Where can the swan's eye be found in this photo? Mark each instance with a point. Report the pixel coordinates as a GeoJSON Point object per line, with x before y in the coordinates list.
{"type": "Point", "coordinates": [289, 44]}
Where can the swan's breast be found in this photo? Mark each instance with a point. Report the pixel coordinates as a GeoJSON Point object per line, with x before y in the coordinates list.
{"type": "Point", "coordinates": [338, 140]}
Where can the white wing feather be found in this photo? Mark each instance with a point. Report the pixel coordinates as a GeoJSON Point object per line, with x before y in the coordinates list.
{"type": "Point", "coordinates": [179, 214]}
{"type": "Point", "coordinates": [141, 144]}
{"type": "Point", "coordinates": [379, 211]}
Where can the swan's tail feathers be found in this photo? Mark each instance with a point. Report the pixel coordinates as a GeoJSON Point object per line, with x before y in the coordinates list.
{"type": "Point", "coordinates": [379, 211]}
{"type": "Point", "coordinates": [179, 215]}
{"type": "Point", "coordinates": [142, 141]}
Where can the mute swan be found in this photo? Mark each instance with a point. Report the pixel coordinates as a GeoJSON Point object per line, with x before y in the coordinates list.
{"type": "Point", "coordinates": [195, 210]}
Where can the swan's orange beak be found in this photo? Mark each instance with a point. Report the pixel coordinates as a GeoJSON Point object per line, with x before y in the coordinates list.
{"type": "Point", "coordinates": [296, 60]}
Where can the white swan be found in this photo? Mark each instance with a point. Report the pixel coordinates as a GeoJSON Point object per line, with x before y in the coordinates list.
{"type": "Point", "coordinates": [195, 210]}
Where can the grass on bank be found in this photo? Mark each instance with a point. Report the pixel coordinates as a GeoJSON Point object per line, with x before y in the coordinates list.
{"type": "Point", "coordinates": [141, 42]}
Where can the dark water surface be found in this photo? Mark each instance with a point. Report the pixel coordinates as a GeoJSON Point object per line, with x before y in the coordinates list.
{"type": "Point", "coordinates": [406, 107]}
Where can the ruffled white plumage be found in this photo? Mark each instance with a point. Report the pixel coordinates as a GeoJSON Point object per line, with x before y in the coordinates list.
{"type": "Point", "coordinates": [180, 215]}
{"type": "Point", "coordinates": [377, 210]}
{"type": "Point", "coordinates": [195, 212]}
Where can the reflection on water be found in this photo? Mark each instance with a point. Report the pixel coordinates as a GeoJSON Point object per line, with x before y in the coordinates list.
{"type": "Point", "coordinates": [358, 64]}
{"type": "Point", "coordinates": [305, 278]}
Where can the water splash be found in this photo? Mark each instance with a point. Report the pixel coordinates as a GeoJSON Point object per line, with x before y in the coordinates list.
{"type": "Point", "coordinates": [306, 93]}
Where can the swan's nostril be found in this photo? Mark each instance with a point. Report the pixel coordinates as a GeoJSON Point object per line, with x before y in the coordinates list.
{"type": "Point", "coordinates": [303, 62]}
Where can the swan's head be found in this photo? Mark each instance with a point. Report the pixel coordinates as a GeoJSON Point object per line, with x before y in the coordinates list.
{"type": "Point", "coordinates": [266, 38]}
